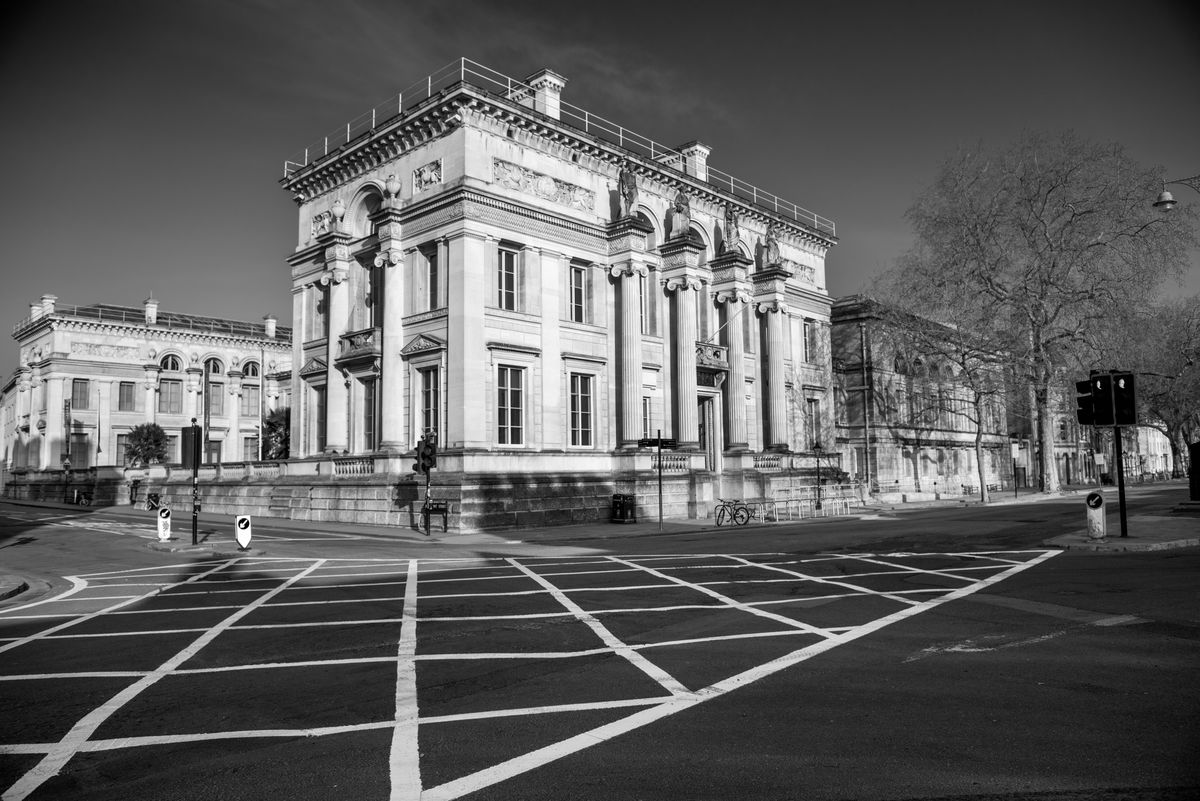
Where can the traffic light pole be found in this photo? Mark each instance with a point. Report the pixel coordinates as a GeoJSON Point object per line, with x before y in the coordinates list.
{"type": "Point", "coordinates": [1120, 458]}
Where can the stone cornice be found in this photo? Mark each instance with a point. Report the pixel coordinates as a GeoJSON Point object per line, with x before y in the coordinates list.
{"type": "Point", "coordinates": [144, 332]}
{"type": "Point", "coordinates": [464, 104]}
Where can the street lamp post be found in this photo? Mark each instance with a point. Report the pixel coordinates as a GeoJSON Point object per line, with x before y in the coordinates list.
{"type": "Point", "coordinates": [816, 447]}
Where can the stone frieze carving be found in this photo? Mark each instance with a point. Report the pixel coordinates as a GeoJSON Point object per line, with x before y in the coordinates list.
{"type": "Point", "coordinates": [523, 179]}
{"type": "Point", "coordinates": [427, 176]}
{"type": "Point", "coordinates": [107, 351]}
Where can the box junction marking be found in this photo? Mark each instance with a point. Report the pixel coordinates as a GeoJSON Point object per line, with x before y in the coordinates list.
{"type": "Point", "coordinates": [569, 584]}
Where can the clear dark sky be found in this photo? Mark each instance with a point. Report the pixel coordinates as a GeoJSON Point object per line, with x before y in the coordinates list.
{"type": "Point", "coordinates": [142, 142]}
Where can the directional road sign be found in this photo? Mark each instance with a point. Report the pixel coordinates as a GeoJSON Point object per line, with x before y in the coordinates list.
{"type": "Point", "coordinates": [164, 524]}
{"type": "Point", "coordinates": [242, 530]}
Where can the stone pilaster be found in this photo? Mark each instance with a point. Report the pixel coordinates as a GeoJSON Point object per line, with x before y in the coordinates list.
{"type": "Point", "coordinates": [391, 263]}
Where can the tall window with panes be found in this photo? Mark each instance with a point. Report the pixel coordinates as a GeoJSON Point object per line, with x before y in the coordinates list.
{"type": "Point", "coordinates": [432, 278]}
{"type": "Point", "coordinates": [581, 410]}
{"type": "Point", "coordinates": [430, 383]}
{"type": "Point", "coordinates": [170, 396]}
{"type": "Point", "coordinates": [127, 397]}
{"type": "Point", "coordinates": [80, 391]}
{"type": "Point", "coordinates": [510, 405]}
{"type": "Point", "coordinates": [812, 422]}
{"type": "Point", "coordinates": [580, 297]}
{"type": "Point", "coordinates": [508, 279]}
{"type": "Point", "coordinates": [317, 420]}
{"type": "Point", "coordinates": [122, 456]}
{"type": "Point", "coordinates": [369, 419]}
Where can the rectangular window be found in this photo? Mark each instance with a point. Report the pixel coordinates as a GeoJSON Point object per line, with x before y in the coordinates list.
{"type": "Point", "coordinates": [213, 454]}
{"type": "Point", "coordinates": [812, 422]}
{"type": "Point", "coordinates": [250, 449]}
{"type": "Point", "coordinates": [646, 432]}
{"type": "Point", "coordinates": [251, 397]}
{"type": "Point", "coordinates": [80, 392]}
{"type": "Point", "coordinates": [510, 429]}
{"type": "Point", "coordinates": [216, 399]}
{"type": "Point", "coordinates": [810, 341]}
{"type": "Point", "coordinates": [433, 299]}
{"type": "Point", "coordinates": [507, 280]}
{"type": "Point", "coordinates": [369, 417]}
{"type": "Point", "coordinates": [80, 451]}
{"type": "Point", "coordinates": [126, 399]}
{"type": "Point", "coordinates": [430, 399]}
{"type": "Point", "coordinates": [643, 306]}
{"type": "Point", "coordinates": [170, 396]}
{"type": "Point", "coordinates": [581, 410]}
{"type": "Point", "coordinates": [579, 294]}
{"type": "Point", "coordinates": [318, 419]}
{"type": "Point", "coordinates": [173, 449]}
{"type": "Point", "coordinates": [122, 456]}
{"type": "Point", "coordinates": [315, 318]}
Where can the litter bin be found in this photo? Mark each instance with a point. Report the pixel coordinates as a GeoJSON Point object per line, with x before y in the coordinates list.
{"type": "Point", "coordinates": [623, 509]}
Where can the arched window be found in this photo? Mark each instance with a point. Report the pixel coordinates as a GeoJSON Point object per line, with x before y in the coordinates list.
{"type": "Point", "coordinates": [363, 226]}
{"type": "Point", "coordinates": [212, 366]}
{"type": "Point", "coordinates": [250, 370]}
{"type": "Point", "coordinates": [652, 237]}
{"type": "Point", "coordinates": [170, 363]}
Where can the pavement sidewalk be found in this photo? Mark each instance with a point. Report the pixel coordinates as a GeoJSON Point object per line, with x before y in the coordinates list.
{"type": "Point", "coordinates": [1145, 532]}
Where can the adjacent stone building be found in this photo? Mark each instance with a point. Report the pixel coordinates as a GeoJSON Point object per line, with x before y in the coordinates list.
{"type": "Point", "coordinates": [907, 418]}
{"type": "Point", "coordinates": [88, 375]}
{"type": "Point", "coordinates": [541, 290]}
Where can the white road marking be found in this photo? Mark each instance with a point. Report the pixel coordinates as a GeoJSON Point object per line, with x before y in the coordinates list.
{"type": "Point", "coordinates": [404, 761]}
{"type": "Point", "coordinates": [404, 766]}
{"type": "Point", "coordinates": [669, 683]}
{"type": "Point", "coordinates": [81, 732]}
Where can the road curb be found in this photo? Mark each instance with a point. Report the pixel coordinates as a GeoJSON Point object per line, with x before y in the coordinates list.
{"type": "Point", "coordinates": [12, 585]}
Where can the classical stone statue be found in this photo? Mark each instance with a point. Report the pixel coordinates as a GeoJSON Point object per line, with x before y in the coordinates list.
{"type": "Point", "coordinates": [681, 220]}
{"type": "Point", "coordinates": [732, 235]}
{"type": "Point", "coordinates": [628, 190]}
{"type": "Point", "coordinates": [771, 254]}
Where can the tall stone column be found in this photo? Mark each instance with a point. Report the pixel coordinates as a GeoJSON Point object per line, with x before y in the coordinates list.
{"type": "Point", "coordinates": [770, 297]}
{"type": "Point", "coordinates": [102, 450]}
{"type": "Point", "coordinates": [55, 437]}
{"type": "Point", "coordinates": [683, 274]}
{"type": "Point", "coordinates": [337, 394]}
{"type": "Point", "coordinates": [391, 263]}
{"type": "Point", "coordinates": [734, 305]}
{"type": "Point", "coordinates": [683, 314]}
{"type": "Point", "coordinates": [628, 266]}
{"type": "Point", "coordinates": [627, 277]}
{"type": "Point", "coordinates": [776, 379]}
{"type": "Point", "coordinates": [467, 356]}
{"type": "Point", "coordinates": [150, 394]}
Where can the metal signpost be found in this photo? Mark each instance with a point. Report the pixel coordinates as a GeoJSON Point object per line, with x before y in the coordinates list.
{"type": "Point", "coordinates": [659, 443]}
{"type": "Point", "coordinates": [192, 443]}
{"type": "Point", "coordinates": [1109, 399]}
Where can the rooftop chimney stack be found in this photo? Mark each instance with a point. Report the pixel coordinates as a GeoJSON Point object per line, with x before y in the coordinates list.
{"type": "Point", "coordinates": [269, 325]}
{"type": "Point", "coordinates": [151, 306]}
{"type": "Point", "coordinates": [695, 159]}
{"type": "Point", "coordinates": [547, 90]}
{"type": "Point", "coordinates": [48, 304]}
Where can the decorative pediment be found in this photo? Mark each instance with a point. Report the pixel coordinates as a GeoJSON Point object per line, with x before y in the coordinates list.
{"type": "Point", "coordinates": [421, 343]}
{"type": "Point", "coordinates": [314, 366]}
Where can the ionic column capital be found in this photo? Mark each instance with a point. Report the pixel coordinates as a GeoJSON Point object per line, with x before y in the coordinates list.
{"type": "Point", "coordinates": [682, 282]}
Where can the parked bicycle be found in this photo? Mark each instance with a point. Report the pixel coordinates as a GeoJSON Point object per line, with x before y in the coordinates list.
{"type": "Point", "coordinates": [732, 511]}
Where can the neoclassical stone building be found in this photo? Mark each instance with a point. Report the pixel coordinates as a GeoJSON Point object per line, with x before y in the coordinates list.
{"type": "Point", "coordinates": [540, 289]}
{"type": "Point", "coordinates": [907, 419]}
{"type": "Point", "coordinates": [89, 374]}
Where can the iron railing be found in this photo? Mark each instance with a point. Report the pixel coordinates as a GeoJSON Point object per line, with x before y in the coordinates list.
{"type": "Point", "coordinates": [465, 71]}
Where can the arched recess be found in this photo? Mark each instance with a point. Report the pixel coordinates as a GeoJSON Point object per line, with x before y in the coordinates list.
{"type": "Point", "coordinates": [365, 204]}
{"type": "Point", "coordinates": [656, 236]}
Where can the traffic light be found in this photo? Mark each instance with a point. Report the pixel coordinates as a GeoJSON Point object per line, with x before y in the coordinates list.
{"type": "Point", "coordinates": [1102, 399]}
{"type": "Point", "coordinates": [1083, 400]}
{"type": "Point", "coordinates": [427, 454]}
{"type": "Point", "coordinates": [1124, 400]}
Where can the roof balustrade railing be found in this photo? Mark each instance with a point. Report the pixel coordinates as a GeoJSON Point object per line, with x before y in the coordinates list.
{"type": "Point", "coordinates": [493, 82]}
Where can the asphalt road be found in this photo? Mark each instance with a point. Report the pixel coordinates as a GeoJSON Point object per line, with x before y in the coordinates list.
{"type": "Point", "coordinates": [932, 654]}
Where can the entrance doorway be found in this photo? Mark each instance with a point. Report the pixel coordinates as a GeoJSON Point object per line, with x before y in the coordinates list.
{"type": "Point", "coordinates": [712, 440]}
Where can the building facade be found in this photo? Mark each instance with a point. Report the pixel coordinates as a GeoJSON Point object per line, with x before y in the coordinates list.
{"type": "Point", "coordinates": [88, 375]}
{"type": "Point", "coordinates": [541, 290]}
{"type": "Point", "coordinates": [907, 417]}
